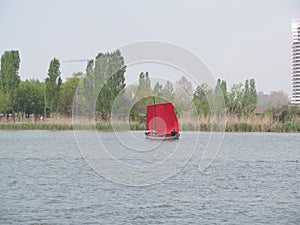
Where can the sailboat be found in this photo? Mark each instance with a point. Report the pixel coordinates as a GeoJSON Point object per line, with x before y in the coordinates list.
{"type": "Point", "coordinates": [161, 122]}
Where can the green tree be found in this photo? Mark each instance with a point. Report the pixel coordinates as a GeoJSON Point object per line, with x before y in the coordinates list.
{"type": "Point", "coordinates": [200, 99]}
{"type": "Point", "coordinates": [109, 79]}
{"type": "Point", "coordinates": [220, 98]}
{"type": "Point", "coordinates": [235, 98]}
{"type": "Point", "coordinates": [67, 91]}
{"type": "Point", "coordinates": [144, 96]}
{"type": "Point", "coordinates": [109, 92]}
{"type": "Point", "coordinates": [158, 89]}
{"type": "Point", "coordinates": [183, 94]}
{"type": "Point", "coordinates": [123, 104]}
{"type": "Point", "coordinates": [289, 113]}
{"type": "Point", "coordinates": [88, 88]}
{"type": "Point", "coordinates": [4, 102]}
{"type": "Point", "coordinates": [9, 81]}
{"type": "Point", "coordinates": [249, 99]}
{"type": "Point", "coordinates": [31, 95]}
{"type": "Point", "coordinates": [223, 87]}
{"type": "Point", "coordinates": [144, 86]}
{"type": "Point", "coordinates": [168, 91]}
{"type": "Point", "coordinates": [53, 83]}
{"type": "Point", "coordinates": [275, 99]}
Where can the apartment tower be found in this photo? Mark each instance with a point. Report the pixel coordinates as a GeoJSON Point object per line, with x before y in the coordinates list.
{"type": "Point", "coordinates": [295, 61]}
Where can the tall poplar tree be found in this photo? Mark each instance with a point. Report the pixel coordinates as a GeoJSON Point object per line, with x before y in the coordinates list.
{"type": "Point", "coordinates": [104, 80]}
{"type": "Point", "coordinates": [9, 81]}
{"type": "Point", "coordinates": [53, 83]}
{"type": "Point", "coordinates": [249, 100]}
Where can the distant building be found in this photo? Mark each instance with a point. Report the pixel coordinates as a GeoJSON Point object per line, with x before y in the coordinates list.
{"type": "Point", "coordinates": [295, 61]}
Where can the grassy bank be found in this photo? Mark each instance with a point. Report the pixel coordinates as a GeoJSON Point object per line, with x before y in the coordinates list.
{"type": "Point", "coordinates": [56, 125]}
{"type": "Point", "coordinates": [245, 127]}
{"type": "Point", "coordinates": [35, 126]}
{"type": "Point", "coordinates": [51, 126]}
{"type": "Point", "coordinates": [232, 125]}
{"type": "Point", "coordinates": [277, 127]}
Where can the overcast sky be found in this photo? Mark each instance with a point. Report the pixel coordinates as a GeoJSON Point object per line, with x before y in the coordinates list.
{"type": "Point", "coordinates": [236, 39]}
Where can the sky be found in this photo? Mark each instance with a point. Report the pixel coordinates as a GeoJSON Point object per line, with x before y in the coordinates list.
{"type": "Point", "coordinates": [237, 39]}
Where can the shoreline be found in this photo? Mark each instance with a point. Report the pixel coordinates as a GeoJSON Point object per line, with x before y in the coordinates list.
{"type": "Point", "coordinates": [288, 127]}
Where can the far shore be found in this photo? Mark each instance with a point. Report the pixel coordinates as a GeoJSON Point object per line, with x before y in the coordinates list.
{"type": "Point", "coordinates": [231, 126]}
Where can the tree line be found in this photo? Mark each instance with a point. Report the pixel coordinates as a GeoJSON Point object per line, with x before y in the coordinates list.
{"type": "Point", "coordinates": [22, 99]}
{"type": "Point", "coordinates": [240, 100]}
{"type": "Point", "coordinates": [52, 96]}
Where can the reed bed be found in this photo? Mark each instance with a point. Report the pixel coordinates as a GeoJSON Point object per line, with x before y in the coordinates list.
{"type": "Point", "coordinates": [35, 126]}
{"type": "Point", "coordinates": [186, 123]}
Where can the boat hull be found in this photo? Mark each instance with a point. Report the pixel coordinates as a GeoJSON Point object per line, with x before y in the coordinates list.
{"type": "Point", "coordinates": [162, 137]}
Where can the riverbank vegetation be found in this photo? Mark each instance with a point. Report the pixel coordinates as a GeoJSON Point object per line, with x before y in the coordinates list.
{"type": "Point", "coordinates": [48, 104]}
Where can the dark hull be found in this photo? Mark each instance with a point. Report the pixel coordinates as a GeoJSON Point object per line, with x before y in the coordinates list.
{"type": "Point", "coordinates": [162, 137]}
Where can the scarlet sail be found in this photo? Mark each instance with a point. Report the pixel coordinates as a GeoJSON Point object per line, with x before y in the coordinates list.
{"type": "Point", "coordinates": [162, 118]}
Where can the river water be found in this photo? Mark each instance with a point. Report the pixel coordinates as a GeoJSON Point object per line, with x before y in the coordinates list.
{"type": "Point", "coordinates": [254, 180]}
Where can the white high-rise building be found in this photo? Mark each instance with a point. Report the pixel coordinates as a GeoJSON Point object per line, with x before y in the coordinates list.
{"type": "Point", "coordinates": [295, 61]}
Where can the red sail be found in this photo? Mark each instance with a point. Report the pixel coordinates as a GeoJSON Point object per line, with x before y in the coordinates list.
{"type": "Point", "coordinates": [162, 118]}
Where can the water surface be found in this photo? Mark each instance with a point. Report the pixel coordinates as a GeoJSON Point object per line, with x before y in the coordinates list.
{"type": "Point", "coordinates": [254, 180]}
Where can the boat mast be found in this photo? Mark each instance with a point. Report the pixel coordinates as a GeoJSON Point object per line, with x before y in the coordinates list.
{"type": "Point", "coordinates": [154, 113]}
